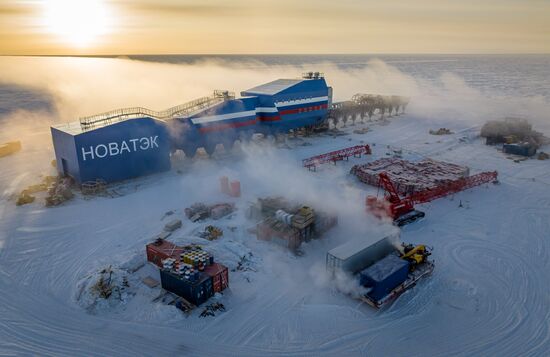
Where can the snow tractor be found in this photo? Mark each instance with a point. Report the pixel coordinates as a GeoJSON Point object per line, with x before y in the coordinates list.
{"type": "Point", "coordinates": [394, 274]}
{"type": "Point", "coordinates": [384, 268]}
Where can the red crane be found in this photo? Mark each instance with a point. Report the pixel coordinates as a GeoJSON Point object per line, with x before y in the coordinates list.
{"type": "Point", "coordinates": [402, 211]}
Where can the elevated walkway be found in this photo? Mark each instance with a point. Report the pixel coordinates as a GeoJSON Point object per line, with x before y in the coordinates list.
{"type": "Point", "coordinates": [182, 110]}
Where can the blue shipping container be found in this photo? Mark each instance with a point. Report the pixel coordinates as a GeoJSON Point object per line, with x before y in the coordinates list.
{"type": "Point", "coordinates": [195, 291]}
{"type": "Point", "coordinates": [519, 149]}
{"type": "Point", "coordinates": [383, 276]}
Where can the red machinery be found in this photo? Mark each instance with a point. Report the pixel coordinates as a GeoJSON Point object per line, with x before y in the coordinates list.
{"type": "Point", "coordinates": [402, 209]}
{"type": "Point", "coordinates": [337, 155]}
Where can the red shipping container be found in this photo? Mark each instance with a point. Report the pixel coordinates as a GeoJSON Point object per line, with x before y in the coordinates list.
{"type": "Point", "coordinates": [162, 249]}
{"type": "Point", "coordinates": [220, 276]}
{"type": "Point", "coordinates": [236, 188]}
{"type": "Point", "coordinates": [224, 184]}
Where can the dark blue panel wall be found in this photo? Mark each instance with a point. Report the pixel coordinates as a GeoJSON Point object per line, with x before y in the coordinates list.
{"type": "Point", "coordinates": [65, 154]}
{"type": "Point", "coordinates": [313, 112]}
{"type": "Point", "coordinates": [231, 106]}
{"type": "Point", "coordinates": [123, 150]}
{"type": "Point", "coordinates": [263, 100]}
{"type": "Point", "coordinates": [189, 136]}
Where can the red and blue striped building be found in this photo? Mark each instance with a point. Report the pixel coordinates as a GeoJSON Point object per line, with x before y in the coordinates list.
{"type": "Point", "coordinates": [141, 145]}
{"type": "Point", "coordinates": [270, 108]}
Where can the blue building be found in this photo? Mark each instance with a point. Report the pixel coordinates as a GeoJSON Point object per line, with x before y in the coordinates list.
{"type": "Point", "coordinates": [132, 142]}
{"type": "Point", "coordinates": [287, 104]}
{"type": "Point", "coordinates": [114, 152]}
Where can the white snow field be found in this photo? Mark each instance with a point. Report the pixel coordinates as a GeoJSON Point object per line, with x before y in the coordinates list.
{"type": "Point", "coordinates": [489, 294]}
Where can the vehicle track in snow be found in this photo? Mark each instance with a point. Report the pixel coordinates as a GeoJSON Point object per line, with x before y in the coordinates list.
{"type": "Point", "coordinates": [487, 296]}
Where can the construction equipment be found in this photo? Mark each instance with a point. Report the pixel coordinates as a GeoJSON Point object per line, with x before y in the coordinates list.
{"type": "Point", "coordinates": [211, 233]}
{"type": "Point", "coordinates": [10, 148]}
{"type": "Point", "coordinates": [441, 131]}
{"type": "Point", "coordinates": [338, 155]}
{"type": "Point", "coordinates": [415, 255]}
{"type": "Point", "coordinates": [416, 272]}
{"type": "Point", "coordinates": [402, 209]}
{"type": "Point", "coordinates": [24, 198]}
{"type": "Point", "coordinates": [384, 268]}
{"type": "Point", "coordinates": [385, 285]}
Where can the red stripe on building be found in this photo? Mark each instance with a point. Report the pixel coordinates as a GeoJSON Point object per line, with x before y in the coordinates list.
{"type": "Point", "coordinates": [274, 118]}
{"type": "Point", "coordinates": [303, 109]}
{"type": "Point", "coordinates": [224, 126]}
{"type": "Point", "coordinates": [294, 111]}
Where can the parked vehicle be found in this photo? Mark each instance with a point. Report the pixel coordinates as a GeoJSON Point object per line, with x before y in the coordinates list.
{"type": "Point", "coordinates": [385, 268]}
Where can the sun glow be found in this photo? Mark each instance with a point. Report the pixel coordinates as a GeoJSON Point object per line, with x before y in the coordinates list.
{"type": "Point", "coordinates": [78, 22]}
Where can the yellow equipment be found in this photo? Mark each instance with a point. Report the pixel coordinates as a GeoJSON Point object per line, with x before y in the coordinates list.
{"type": "Point", "coordinates": [416, 255]}
{"type": "Point", "coordinates": [213, 232]}
{"type": "Point", "coordinates": [510, 139]}
{"type": "Point", "coordinates": [9, 148]}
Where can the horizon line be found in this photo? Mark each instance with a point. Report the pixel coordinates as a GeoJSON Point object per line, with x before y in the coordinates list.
{"type": "Point", "coordinates": [285, 54]}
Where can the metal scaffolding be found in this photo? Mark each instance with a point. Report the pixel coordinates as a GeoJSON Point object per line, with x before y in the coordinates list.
{"type": "Point", "coordinates": [182, 110]}
{"type": "Point", "coordinates": [364, 105]}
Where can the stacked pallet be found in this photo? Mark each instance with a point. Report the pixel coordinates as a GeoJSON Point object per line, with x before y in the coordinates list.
{"type": "Point", "coordinates": [289, 222]}
{"type": "Point", "coordinates": [271, 228]}
{"type": "Point", "coordinates": [409, 177]}
{"type": "Point", "coordinates": [303, 218]}
{"type": "Point", "coordinates": [270, 205]}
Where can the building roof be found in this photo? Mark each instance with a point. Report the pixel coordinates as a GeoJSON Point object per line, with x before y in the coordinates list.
{"type": "Point", "coordinates": [274, 87]}
{"type": "Point", "coordinates": [355, 246]}
{"type": "Point", "coordinates": [75, 127]}
{"type": "Point", "coordinates": [72, 128]}
{"type": "Point", "coordinates": [349, 249]}
{"type": "Point", "coordinates": [384, 268]}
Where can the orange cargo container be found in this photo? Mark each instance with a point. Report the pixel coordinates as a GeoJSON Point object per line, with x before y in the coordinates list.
{"type": "Point", "coordinates": [224, 184]}
{"type": "Point", "coordinates": [162, 249]}
{"type": "Point", "coordinates": [236, 188]}
{"type": "Point", "coordinates": [220, 276]}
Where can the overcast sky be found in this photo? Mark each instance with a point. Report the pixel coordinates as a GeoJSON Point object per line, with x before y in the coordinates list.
{"type": "Point", "coordinates": [281, 26]}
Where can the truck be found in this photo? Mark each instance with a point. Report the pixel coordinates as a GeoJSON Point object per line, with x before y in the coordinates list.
{"type": "Point", "coordinates": [385, 268]}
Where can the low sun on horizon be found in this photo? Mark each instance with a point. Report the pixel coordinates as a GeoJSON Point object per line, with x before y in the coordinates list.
{"type": "Point", "coordinates": [124, 27]}
{"type": "Point", "coordinates": [78, 23]}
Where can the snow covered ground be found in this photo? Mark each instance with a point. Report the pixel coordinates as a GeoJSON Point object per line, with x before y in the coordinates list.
{"type": "Point", "coordinates": [489, 294]}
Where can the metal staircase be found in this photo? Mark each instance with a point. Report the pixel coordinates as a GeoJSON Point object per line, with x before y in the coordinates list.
{"type": "Point", "coordinates": [182, 110]}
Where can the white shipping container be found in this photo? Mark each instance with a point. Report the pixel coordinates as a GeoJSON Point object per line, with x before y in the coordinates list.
{"type": "Point", "coordinates": [358, 254]}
